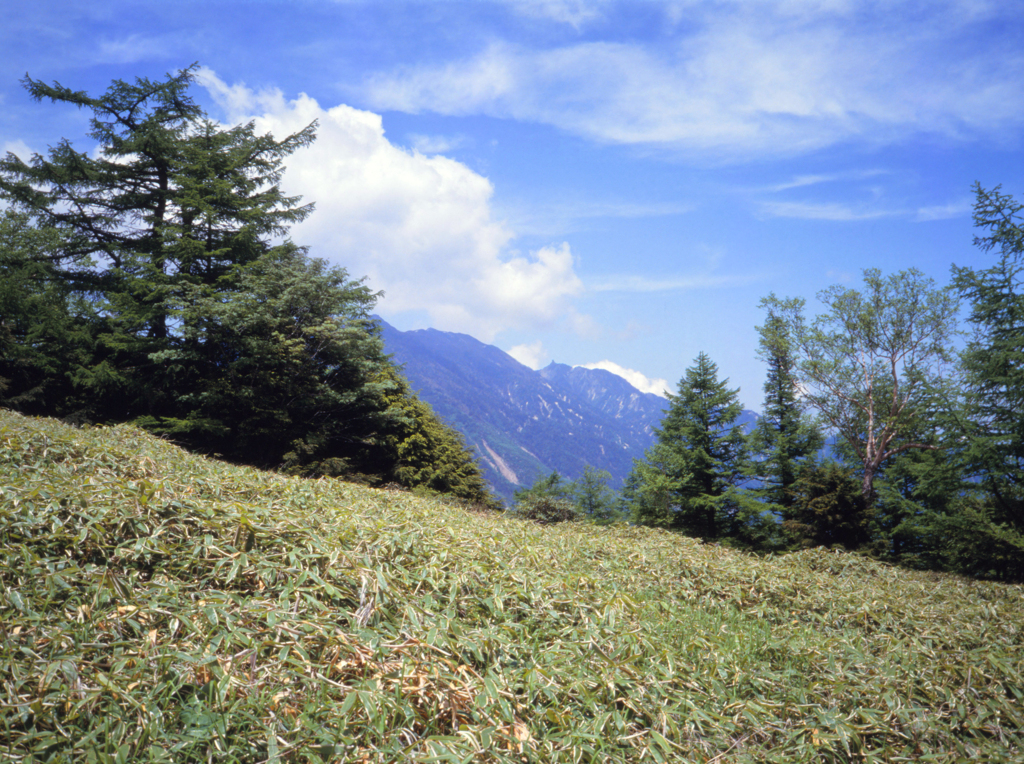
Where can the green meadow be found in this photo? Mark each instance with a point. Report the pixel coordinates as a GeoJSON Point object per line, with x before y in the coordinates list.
{"type": "Point", "coordinates": [161, 606]}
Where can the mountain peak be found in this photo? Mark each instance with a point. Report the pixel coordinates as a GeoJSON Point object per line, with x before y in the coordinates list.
{"type": "Point", "coordinates": [524, 423]}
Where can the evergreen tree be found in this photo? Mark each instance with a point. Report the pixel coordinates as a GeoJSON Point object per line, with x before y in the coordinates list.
{"type": "Point", "coordinates": [919, 490]}
{"type": "Point", "coordinates": [650, 494]}
{"type": "Point", "coordinates": [162, 291]}
{"type": "Point", "coordinates": [593, 498]}
{"type": "Point", "coordinates": [828, 507]}
{"type": "Point", "coordinates": [426, 453]}
{"type": "Point", "coordinates": [784, 436]}
{"type": "Point", "coordinates": [42, 342]}
{"type": "Point", "coordinates": [993, 386]}
{"type": "Point", "coordinates": [170, 202]}
{"type": "Point", "coordinates": [284, 368]}
{"type": "Point", "coordinates": [548, 500]}
{"type": "Point", "coordinates": [691, 477]}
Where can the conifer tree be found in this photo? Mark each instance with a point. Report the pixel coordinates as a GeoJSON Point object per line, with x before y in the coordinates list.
{"type": "Point", "coordinates": [784, 436]}
{"type": "Point", "coordinates": [691, 476]}
{"type": "Point", "coordinates": [171, 202]}
{"type": "Point", "coordinates": [993, 385]}
{"type": "Point", "coordinates": [43, 336]}
{"type": "Point", "coordinates": [828, 508]}
{"type": "Point", "coordinates": [181, 306]}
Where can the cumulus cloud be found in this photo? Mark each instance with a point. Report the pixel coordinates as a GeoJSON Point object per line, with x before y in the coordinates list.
{"type": "Point", "coordinates": [738, 78]}
{"type": "Point", "coordinates": [19, 148]}
{"type": "Point", "coordinates": [533, 354]}
{"type": "Point", "coordinates": [638, 380]}
{"type": "Point", "coordinates": [419, 227]}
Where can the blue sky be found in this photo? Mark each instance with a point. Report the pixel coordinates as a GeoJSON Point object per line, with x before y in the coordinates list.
{"type": "Point", "coordinates": [586, 182]}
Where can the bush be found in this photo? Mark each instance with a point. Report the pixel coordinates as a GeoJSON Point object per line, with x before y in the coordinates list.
{"type": "Point", "coordinates": [546, 510]}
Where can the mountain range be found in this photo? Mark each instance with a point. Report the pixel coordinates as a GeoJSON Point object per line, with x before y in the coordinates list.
{"type": "Point", "coordinates": [524, 423]}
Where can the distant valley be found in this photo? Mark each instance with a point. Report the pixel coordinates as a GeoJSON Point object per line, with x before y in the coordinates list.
{"type": "Point", "coordinates": [524, 423]}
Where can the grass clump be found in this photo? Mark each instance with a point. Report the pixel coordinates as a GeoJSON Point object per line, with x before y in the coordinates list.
{"type": "Point", "coordinates": [158, 606]}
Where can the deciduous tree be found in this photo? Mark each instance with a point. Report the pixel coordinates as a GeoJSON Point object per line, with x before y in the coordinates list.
{"type": "Point", "coordinates": [870, 363]}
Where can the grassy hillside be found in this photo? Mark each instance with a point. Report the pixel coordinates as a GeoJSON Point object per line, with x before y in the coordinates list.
{"type": "Point", "coordinates": [159, 606]}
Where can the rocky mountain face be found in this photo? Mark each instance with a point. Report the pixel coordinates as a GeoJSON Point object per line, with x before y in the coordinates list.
{"type": "Point", "coordinates": [524, 423]}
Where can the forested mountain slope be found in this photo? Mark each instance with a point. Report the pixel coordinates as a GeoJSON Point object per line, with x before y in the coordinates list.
{"type": "Point", "coordinates": [525, 423]}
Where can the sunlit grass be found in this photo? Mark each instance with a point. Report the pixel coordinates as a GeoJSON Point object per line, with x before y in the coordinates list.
{"type": "Point", "coordinates": [161, 606]}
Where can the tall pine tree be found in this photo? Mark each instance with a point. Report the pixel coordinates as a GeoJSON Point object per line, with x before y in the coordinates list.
{"type": "Point", "coordinates": [785, 436]}
{"type": "Point", "coordinates": [993, 368]}
{"type": "Point", "coordinates": [169, 202]}
{"type": "Point", "coordinates": [166, 250]}
{"type": "Point", "coordinates": [691, 476]}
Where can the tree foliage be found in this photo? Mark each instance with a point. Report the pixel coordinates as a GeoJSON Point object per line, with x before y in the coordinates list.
{"type": "Point", "coordinates": [690, 477]}
{"type": "Point", "coordinates": [828, 508]}
{"type": "Point", "coordinates": [152, 281]}
{"type": "Point", "coordinates": [427, 454]}
{"type": "Point", "coordinates": [43, 337]}
{"type": "Point", "coordinates": [552, 498]}
{"type": "Point", "coordinates": [993, 383]}
{"type": "Point", "coordinates": [870, 364]}
{"type": "Point", "coordinates": [784, 435]}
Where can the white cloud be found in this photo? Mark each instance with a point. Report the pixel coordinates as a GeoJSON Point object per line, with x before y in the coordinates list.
{"type": "Point", "coordinates": [433, 144]}
{"type": "Point", "coordinates": [945, 211]}
{"type": "Point", "coordinates": [843, 277]}
{"type": "Point", "coordinates": [821, 211]}
{"type": "Point", "coordinates": [533, 355]}
{"type": "Point", "coordinates": [134, 48]}
{"type": "Point", "coordinates": [19, 148]}
{"type": "Point", "coordinates": [419, 227]}
{"type": "Point", "coordinates": [560, 216]}
{"type": "Point", "coordinates": [576, 13]}
{"type": "Point", "coordinates": [638, 380]}
{"type": "Point", "coordinates": [632, 283]}
{"type": "Point", "coordinates": [803, 181]}
{"type": "Point", "coordinates": [739, 78]}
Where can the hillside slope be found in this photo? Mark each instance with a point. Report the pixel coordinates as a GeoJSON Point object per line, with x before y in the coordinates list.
{"type": "Point", "coordinates": [524, 423]}
{"type": "Point", "coordinates": [157, 606]}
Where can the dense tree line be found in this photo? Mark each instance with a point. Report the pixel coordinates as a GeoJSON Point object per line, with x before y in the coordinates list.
{"type": "Point", "coordinates": [152, 281]}
{"type": "Point", "coordinates": [924, 462]}
{"type": "Point", "coordinates": [877, 433]}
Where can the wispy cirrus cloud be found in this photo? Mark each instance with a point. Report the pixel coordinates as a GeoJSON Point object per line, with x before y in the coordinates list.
{"type": "Point", "coordinates": [575, 13]}
{"type": "Point", "coordinates": [434, 144]}
{"type": "Point", "coordinates": [804, 181]}
{"type": "Point", "coordinates": [959, 208]}
{"type": "Point", "coordinates": [636, 283]}
{"type": "Point", "coordinates": [830, 211]}
{"type": "Point", "coordinates": [135, 47]}
{"type": "Point", "coordinates": [743, 78]}
{"type": "Point", "coordinates": [558, 218]}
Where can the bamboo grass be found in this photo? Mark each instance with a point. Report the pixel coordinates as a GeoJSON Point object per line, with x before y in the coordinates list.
{"type": "Point", "coordinates": [159, 606]}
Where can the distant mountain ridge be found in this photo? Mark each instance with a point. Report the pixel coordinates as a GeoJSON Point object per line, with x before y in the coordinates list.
{"type": "Point", "coordinates": [525, 423]}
